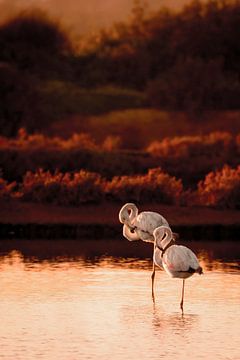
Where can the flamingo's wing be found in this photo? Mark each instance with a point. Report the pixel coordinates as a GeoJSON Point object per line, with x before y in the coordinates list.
{"type": "Point", "coordinates": [146, 222]}
{"type": "Point", "coordinates": [180, 258]}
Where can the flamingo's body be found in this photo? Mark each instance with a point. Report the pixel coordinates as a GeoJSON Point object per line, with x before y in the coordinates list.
{"type": "Point", "coordinates": [143, 225]}
{"type": "Point", "coordinates": [177, 260]}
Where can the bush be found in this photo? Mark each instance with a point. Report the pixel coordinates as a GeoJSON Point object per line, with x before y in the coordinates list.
{"type": "Point", "coordinates": [155, 186]}
{"type": "Point", "coordinates": [6, 189]}
{"type": "Point", "coordinates": [80, 151]}
{"type": "Point", "coordinates": [189, 158]}
{"type": "Point", "coordinates": [221, 188]}
{"type": "Point", "coordinates": [111, 143]}
{"type": "Point", "coordinates": [39, 141]}
{"type": "Point", "coordinates": [63, 189]}
{"type": "Point", "coordinates": [214, 144]}
{"type": "Point", "coordinates": [192, 157]}
{"type": "Point", "coordinates": [85, 187]}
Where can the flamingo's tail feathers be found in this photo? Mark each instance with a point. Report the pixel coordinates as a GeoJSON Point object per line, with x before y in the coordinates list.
{"type": "Point", "coordinates": [199, 270]}
{"type": "Point", "coordinates": [191, 270]}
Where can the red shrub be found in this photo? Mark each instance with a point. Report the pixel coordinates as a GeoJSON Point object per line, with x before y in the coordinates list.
{"type": "Point", "coordinates": [191, 158]}
{"type": "Point", "coordinates": [65, 189]}
{"type": "Point", "coordinates": [155, 186]}
{"type": "Point", "coordinates": [39, 141]}
{"type": "Point", "coordinates": [6, 189]}
{"type": "Point", "coordinates": [185, 146]}
{"type": "Point", "coordinates": [221, 188]}
{"type": "Point", "coordinates": [111, 143]}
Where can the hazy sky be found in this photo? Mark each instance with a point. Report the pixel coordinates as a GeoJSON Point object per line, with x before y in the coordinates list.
{"type": "Point", "coordinates": [83, 15]}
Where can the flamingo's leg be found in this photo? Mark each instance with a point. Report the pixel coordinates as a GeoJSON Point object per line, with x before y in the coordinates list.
{"type": "Point", "coordinates": [181, 303]}
{"type": "Point", "coordinates": [153, 277]}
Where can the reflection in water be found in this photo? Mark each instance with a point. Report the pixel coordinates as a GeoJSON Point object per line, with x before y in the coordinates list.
{"type": "Point", "coordinates": [92, 300]}
{"type": "Point", "coordinates": [177, 322]}
{"type": "Point", "coordinates": [213, 255]}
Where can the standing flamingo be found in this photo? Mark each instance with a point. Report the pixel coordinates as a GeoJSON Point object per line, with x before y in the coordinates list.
{"type": "Point", "coordinates": [177, 260]}
{"type": "Point", "coordinates": [141, 226]}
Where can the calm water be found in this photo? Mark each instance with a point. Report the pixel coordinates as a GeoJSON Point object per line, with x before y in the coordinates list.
{"type": "Point", "coordinates": [92, 300]}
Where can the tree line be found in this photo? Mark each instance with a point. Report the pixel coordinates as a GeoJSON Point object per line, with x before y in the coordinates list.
{"type": "Point", "coordinates": [186, 60]}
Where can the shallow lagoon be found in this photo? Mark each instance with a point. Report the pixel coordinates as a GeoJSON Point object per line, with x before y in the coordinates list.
{"type": "Point", "coordinates": [92, 300]}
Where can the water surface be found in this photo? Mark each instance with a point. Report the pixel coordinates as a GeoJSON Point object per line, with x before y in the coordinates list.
{"type": "Point", "coordinates": [92, 300]}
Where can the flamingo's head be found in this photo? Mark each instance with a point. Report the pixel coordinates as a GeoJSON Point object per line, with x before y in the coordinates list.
{"type": "Point", "coordinates": [129, 233]}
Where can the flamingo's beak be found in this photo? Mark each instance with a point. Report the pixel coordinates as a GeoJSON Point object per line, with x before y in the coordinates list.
{"type": "Point", "coordinates": [175, 236]}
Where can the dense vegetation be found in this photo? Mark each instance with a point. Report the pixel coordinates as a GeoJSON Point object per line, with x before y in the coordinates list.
{"type": "Point", "coordinates": [80, 123]}
{"type": "Point", "coordinates": [184, 61]}
{"type": "Point", "coordinates": [187, 61]}
{"type": "Point", "coordinates": [178, 156]}
{"type": "Point", "coordinates": [220, 189]}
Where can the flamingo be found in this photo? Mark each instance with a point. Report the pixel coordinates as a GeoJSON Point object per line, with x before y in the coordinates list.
{"type": "Point", "coordinates": [141, 226]}
{"type": "Point", "coordinates": [177, 260]}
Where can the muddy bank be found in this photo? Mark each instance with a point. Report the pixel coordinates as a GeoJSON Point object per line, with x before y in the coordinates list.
{"type": "Point", "coordinates": [104, 231]}
{"type": "Point", "coordinates": [21, 220]}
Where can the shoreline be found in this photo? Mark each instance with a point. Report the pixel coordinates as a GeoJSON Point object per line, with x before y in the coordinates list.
{"type": "Point", "coordinates": [24, 220]}
{"type": "Point", "coordinates": [214, 232]}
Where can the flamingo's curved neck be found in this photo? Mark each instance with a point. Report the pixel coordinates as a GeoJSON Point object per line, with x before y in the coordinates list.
{"type": "Point", "coordinates": [164, 240]}
{"type": "Point", "coordinates": [128, 213]}
{"type": "Point", "coordinates": [132, 212]}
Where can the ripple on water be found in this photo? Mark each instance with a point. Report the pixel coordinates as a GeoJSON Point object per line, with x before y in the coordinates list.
{"type": "Point", "coordinates": [86, 306]}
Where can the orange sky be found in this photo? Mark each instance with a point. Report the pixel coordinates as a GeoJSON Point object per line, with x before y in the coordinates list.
{"type": "Point", "coordinates": [83, 16]}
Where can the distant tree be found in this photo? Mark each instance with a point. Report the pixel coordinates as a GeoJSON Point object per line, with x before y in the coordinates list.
{"type": "Point", "coordinates": [33, 48]}
{"type": "Point", "coordinates": [32, 42]}
{"type": "Point", "coordinates": [195, 85]}
{"type": "Point", "coordinates": [19, 102]}
{"type": "Point", "coordinates": [152, 45]}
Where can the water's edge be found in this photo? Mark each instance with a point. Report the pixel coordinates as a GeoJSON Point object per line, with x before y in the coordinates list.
{"type": "Point", "coordinates": [103, 231]}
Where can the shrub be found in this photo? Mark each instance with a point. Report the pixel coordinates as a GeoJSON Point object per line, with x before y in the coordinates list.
{"type": "Point", "coordinates": [29, 152]}
{"type": "Point", "coordinates": [6, 189]}
{"type": "Point", "coordinates": [193, 157]}
{"type": "Point", "coordinates": [85, 187]}
{"type": "Point", "coordinates": [184, 146]}
{"type": "Point", "coordinates": [63, 189]}
{"type": "Point", "coordinates": [221, 188]}
{"type": "Point", "coordinates": [155, 186]}
{"type": "Point", "coordinates": [25, 141]}
{"type": "Point", "coordinates": [111, 143]}
{"type": "Point", "coordinates": [189, 158]}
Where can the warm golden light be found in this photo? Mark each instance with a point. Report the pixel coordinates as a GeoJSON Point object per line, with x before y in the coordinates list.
{"type": "Point", "coordinates": [106, 102]}
{"type": "Point", "coordinates": [106, 308]}
{"type": "Point", "coordinates": [81, 16]}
